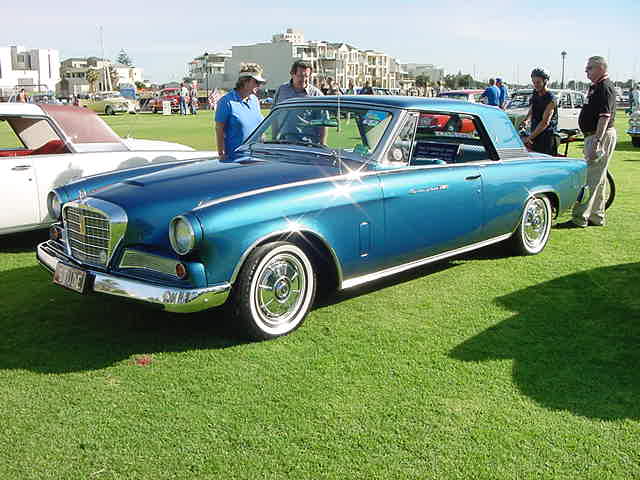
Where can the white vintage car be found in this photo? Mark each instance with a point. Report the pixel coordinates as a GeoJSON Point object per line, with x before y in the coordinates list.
{"type": "Point", "coordinates": [569, 104]}
{"type": "Point", "coordinates": [45, 146]}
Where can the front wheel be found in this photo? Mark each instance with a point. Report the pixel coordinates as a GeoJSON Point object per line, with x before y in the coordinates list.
{"type": "Point", "coordinates": [274, 291]}
{"type": "Point", "coordinates": [109, 111]}
{"type": "Point", "coordinates": [532, 233]}
{"type": "Point", "coordinates": [635, 141]}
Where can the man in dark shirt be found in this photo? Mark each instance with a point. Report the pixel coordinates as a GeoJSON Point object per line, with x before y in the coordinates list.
{"type": "Point", "coordinates": [543, 113]}
{"type": "Point", "coordinates": [596, 121]}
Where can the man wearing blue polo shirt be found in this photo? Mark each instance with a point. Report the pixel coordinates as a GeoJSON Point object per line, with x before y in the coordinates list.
{"type": "Point", "coordinates": [238, 112]}
{"type": "Point", "coordinates": [504, 93]}
{"type": "Point", "coordinates": [491, 93]}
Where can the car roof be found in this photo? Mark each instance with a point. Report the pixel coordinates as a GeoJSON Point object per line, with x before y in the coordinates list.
{"type": "Point", "coordinates": [405, 102]}
{"type": "Point", "coordinates": [19, 108]}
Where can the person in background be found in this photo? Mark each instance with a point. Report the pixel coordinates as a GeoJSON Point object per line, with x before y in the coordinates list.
{"type": "Point", "coordinates": [238, 112]}
{"type": "Point", "coordinates": [634, 98]}
{"type": "Point", "coordinates": [352, 90]}
{"type": "Point", "coordinates": [183, 94]}
{"type": "Point", "coordinates": [596, 120]}
{"type": "Point", "coordinates": [543, 113]}
{"type": "Point", "coordinates": [366, 90]}
{"type": "Point", "coordinates": [491, 93]}
{"type": "Point", "coordinates": [504, 93]}
{"type": "Point", "coordinates": [193, 99]}
{"type": "Point", "coordinates": [332, 87]}
{"type": "Point", "coordinates": [22, 96]}
{"type": "Point", "coordinates": [299, 85]}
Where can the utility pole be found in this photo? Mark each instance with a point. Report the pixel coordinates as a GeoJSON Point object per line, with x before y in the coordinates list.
{"type": "Point", "coordinates": [563, 54]}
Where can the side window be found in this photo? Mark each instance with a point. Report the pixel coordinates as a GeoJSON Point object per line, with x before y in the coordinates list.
{"type": "Point", "coordinates": [400, 151]}
{"type": "Point", "coordinates": [448, 138]}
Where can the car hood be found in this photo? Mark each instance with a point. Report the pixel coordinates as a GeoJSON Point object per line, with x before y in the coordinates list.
{"type": "Point", "coordinates": [151, 201]}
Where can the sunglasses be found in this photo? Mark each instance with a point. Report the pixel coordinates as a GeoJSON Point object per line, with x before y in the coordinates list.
{"type": "Point", "coordinates": [591, 67]}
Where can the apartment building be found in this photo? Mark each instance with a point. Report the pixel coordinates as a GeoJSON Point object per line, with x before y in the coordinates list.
{"type": "Point", "coordinates": [73, 73]}
{"type": "Point", "coordinates": [338, 60]}
{"type": "Point", "coordinates": [208, 69]}
{"type": "Point", "coordinates": [34, 69]}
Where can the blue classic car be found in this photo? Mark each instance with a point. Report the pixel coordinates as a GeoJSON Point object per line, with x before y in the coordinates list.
{"type": "Point", "coordinates": [330, 192]}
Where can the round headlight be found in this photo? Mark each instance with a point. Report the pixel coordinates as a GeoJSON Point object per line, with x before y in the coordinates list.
{"type": "Point", "coordinates": [181, 235]}
{"type": "Point", "coordinates": [54, 205]}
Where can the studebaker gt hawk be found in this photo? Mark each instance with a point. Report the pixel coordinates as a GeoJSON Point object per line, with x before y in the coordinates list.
{"type": "Point", "coordinates": [328, 191]}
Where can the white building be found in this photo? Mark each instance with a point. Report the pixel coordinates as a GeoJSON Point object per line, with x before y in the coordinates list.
{"type": "Point", "coordinates": [73, 73]}
{"type": "Point", "coordinates": [436, 74]}
{"type": "Point", "coordinates": [339, 61]}
{"type": "Point", "coordinates": [35, 69]}
{"type": "Point", "coordinates": [208, 69]}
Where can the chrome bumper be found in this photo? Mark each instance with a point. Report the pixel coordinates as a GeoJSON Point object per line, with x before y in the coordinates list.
{"type": "Point", "coordinates": [180, 300]}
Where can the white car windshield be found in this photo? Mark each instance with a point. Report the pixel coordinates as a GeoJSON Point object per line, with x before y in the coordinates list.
{"type": "Point", "coordinates": [347, 131]}
{"type": "Point", "coordinates": [520, 100]}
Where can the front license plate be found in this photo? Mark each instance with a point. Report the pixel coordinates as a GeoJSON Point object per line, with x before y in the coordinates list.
{"type": "Point", "coordinates": [70, 277]}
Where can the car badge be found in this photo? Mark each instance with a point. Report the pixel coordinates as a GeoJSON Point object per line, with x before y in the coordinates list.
{"type": "Point", "coordinates": [82, 195]}
{"type": "Point", "coordinates": [83, 226]}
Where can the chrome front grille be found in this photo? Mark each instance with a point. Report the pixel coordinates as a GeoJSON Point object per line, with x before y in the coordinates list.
{"type": "Point", "coordinates": [88, 234]}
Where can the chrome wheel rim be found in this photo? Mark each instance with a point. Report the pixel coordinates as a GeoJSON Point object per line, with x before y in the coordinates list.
{"type": "Point", "coordinates": [280, 291]}
{"type": "Point", "coordinates": [535, 223]}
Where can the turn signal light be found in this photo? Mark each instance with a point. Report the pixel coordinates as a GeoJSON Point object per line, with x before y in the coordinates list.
{"type": "Point", "coordinates": [55, 233]}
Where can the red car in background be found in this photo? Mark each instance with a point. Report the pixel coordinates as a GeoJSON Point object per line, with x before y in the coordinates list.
{"type": "Point", "coordinates": [451, 123]}
{"type": "Point", "coordinates": [167, 94]}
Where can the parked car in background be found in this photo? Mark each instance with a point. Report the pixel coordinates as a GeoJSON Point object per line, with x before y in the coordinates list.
{"type": "Point", "coordinates": [46, 146]}
{"type": "Point", "coordinates": [329, 192]}
{"type": "Point", "coordinates": [469, 95]}
{"type": "Point", "coordinates": [634, 127]}
{"type": "Point", "coordinates": [110, 103]}
{"type": "Point", "coordinates": [171, 95]}
{"type": "Point", "coordinates": [570, 103]}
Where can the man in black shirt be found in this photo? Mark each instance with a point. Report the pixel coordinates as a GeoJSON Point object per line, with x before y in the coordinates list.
{"type": "Point", "coordinates": [596, 121]}
{"type": "Point", "coordinates": [543, 113]}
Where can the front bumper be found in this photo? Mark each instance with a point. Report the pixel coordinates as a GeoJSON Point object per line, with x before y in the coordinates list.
{"type": "Point", "coordinates": [171, 299]}
{"type": "Point", "coordinates": [633, 132]}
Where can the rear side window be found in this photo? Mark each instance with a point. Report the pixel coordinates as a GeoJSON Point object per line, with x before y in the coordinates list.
{"type": "Point", "coordinates": [449, 138]}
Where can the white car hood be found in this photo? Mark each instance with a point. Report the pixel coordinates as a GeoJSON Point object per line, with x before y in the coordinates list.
{"type": "Point", "coordinates": [139, 144]}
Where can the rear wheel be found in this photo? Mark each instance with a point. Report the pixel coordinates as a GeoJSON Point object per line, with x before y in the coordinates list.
{"type": "Point", "coordinates": [275, 290]}
{"type": "Point", "coordinates": [609, 190]}
{"type": "Point", "coordinates": [109, 110]}
{"type": "Point", "coordinates": [532, 233]}
{"type": "Point", "coordinates": [635, 141]}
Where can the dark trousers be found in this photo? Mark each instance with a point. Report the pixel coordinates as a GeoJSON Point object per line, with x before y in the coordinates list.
{"type": "Point", "coordinates": [547, 142]}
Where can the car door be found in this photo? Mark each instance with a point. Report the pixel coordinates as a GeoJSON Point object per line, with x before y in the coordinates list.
{"type": "Point", "coordinates": [17, 183]}
{"type": "Point", "coordinates": [19, 194]}
{"type": "Point", "coordinates": [430, 206]}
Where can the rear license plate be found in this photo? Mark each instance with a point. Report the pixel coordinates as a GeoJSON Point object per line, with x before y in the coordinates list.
{"type": "Point", "coordinates": [70, 277]}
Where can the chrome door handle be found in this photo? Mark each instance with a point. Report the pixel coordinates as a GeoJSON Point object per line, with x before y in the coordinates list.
{"type": "Point", "coordinates": [19, 168]}
{"type": "Point", "coordinates": [472, 177]}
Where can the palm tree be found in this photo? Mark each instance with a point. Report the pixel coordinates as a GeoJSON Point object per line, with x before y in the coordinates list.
{"type": "Point", "coordinates": [92, 77]}
{"type": "Point", "coordinates": [113, 75]}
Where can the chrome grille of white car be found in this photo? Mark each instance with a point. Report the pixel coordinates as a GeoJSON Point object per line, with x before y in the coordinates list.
{"type": "Point", "coordinates": [88, 234]}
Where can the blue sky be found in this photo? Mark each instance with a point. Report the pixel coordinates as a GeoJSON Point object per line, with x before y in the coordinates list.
{"type": "Point", "coordinates": [505, 38]}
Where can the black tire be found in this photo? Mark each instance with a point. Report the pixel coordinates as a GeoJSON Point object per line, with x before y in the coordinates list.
{"type": "Point", "coordinates": [534, 227]}
{"type": "Point", "coordinates": [274, 291]}
{"type": "Point", "coordinates": [154, 110]}
{"type": "Point", "coordinates": [109, 111]}
{"type": "Point", "coordinates": [610, 190]}
{"type": "Point", "coordinates": [635, 141]}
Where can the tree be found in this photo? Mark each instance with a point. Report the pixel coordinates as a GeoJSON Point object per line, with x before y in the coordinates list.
{"type": "Point", "coordinates": [140, 85]}
{"type": "Point", "coordinates": [92, 77]}
{"type": "Point", "coordinates": [124, 59]}
{"type": "Point", "coordinates": [423, 81]}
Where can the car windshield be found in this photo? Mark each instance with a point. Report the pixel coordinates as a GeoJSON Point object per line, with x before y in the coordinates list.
{"type": "Point", "coordinates": [520, 100]}
{"type": "Point", "coordinates": [353, 132]}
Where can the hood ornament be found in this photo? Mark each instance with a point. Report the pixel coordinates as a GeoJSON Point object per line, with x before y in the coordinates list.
{"type": "Point", "coordinates": [82, 195]}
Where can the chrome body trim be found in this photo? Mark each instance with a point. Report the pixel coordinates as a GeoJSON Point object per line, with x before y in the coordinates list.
{"type": "Point", "coordinates": [280, 233]}
{"type": "Point", "coordinates": [171, 299]}
{"type": "Point", "coordinates": [148, 261]}
{"type": "Point", "coordinates": [353, 282]}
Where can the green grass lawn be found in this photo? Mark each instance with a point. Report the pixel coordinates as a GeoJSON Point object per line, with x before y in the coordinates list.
{"type": "Point", "coordinates": [486, 366]}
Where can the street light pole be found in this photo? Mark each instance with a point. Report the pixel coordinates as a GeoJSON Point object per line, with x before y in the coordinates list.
{"type": "Point", "coordinates": [563, 54]}
{"type": "Point", "coordinates": [206, 73]}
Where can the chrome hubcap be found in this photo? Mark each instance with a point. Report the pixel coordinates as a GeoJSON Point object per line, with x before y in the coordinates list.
{"type": "Point", "coordinates": [280, 289]}
{"type": "Point", "coordinates": [536, 220]}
